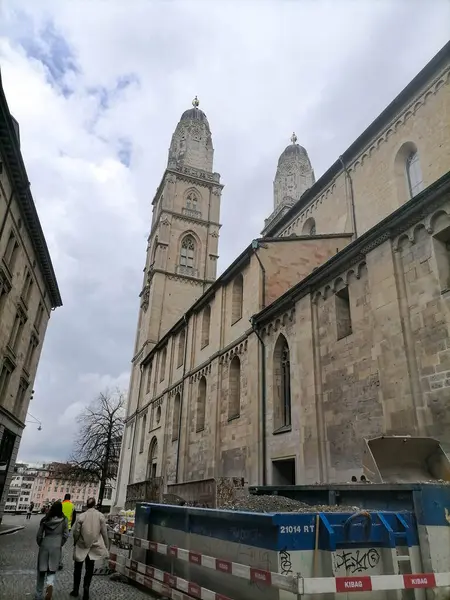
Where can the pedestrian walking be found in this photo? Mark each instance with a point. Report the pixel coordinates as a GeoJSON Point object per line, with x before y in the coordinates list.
{"type": "Point", "coordinates": [30, 510]}
{"type": "Point", "coordinates": [90, 539]}
{"type": "Point", "coordinates": [69, 512]}
{"type": "Point", "coordinates": [51, 537]}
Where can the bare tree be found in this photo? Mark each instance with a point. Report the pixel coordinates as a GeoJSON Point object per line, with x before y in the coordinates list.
{"type": "Point", "coordinates": [97, 449]}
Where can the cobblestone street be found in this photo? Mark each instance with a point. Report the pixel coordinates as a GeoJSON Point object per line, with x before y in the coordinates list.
{"type": "Point", "coordinates": [18, 556]}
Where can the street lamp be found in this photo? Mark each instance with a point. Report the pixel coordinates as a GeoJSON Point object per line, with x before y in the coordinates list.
{"type": "Point", "coordinates": [35, 421]}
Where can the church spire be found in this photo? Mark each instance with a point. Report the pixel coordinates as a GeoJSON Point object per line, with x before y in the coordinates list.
{"type": "Point", "coordinates": [191, 144]}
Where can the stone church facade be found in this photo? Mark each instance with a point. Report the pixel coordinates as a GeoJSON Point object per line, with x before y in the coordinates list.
{"type": "Point", "coordinates": [330, 328]}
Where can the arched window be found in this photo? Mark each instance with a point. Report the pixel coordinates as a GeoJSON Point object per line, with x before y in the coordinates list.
{"type": "Point", "coordinates": [234, 389]}
{"type": "Point", "coordinates": [162, 368]}
{"type": "Point", "coordinates": [187, 254]}
{"type": "Point", "coordinates": [237, 298]}
{"type": "Point", "coordinates": [281, 384]}
{"type": "Point", "coordinates": [309, 227]}
{"type": "Point", "coordinates": [414, 174]}
{"type": "Point", "coordinates": [181, 345]}
{"type": "Point", "coordinates": [407, 171]}
{"type": "Point", "coordinates": [176, 418]}
{"type": "Point", "coordinates": [206, 323]}
{"type": "Point", "coordinates": [192, 200]}
{"type": "Point", "coordinates": [201, 404]}
{"type": "Point", "coordinates": [152, 459]}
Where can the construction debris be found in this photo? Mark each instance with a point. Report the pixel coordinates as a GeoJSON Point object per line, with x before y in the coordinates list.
{"type": "Point", "coordinates": [274, 503]}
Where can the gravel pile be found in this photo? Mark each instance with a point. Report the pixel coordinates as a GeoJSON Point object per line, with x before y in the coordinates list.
{"type": "Point", "coordinates": [266, 504]}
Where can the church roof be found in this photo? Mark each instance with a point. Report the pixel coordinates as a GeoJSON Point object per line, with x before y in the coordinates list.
{"type": "Point", "coordinates": [194, 114]}
{"type": "Point", "coordinates": [293, 150]}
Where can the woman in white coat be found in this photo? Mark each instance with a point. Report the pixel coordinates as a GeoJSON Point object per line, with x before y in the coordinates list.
{"type": "Point", "coordinates": [90, 540]}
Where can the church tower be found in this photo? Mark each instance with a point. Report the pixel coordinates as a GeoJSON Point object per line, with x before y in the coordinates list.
{"type": "Point", "coordinates": [293, 177]}
{"type": "Point", "coordinates": [182, 248]}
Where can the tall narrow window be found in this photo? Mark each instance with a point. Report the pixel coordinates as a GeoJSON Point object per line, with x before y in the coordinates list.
{"type": "Point", "coordinates": [282, 384]}
{"type": "Point", "coordinates": [30, 353]}
{"type": "Point", "coordinates": [343, 314]}
{"type": "Point", "coordinates": [234, 389]}
{"type": "Point", "coordinates": [11, 251]}
{"type": "Point", "coordinates": [192, 201]}
{"type": "Point", "coordinates": [176, 418]}
{"type": "Point", "coordinates": [130, 435]}
{"type": "Point", "coordinates": [5, 286]}
{"type": "Point", "coordinates": [152, 459]}
{"type": "Point", "coordinates": [237, 299]}
{"type": "Point", "coordinates": [39, 317]}
{"type": "Point", "coordinates": [143, 429]}
{"type": "Point", "coordinates": [181, 345]}
{"type": "Point", "coordinates": [27, 286]}
{"type": "Point", "coordinates": [414, 174]}
{"type": "Point", "coordinates": [201, 404]}
{"type": "Point", "coordinates": [16, 332]}
{"type": "Point", "coordinates": [187, 254]}
{"type": "Point", "coordinates": [5, 376]}
{"type": "Point", "coordinates": [149, 376]}
{"type": "Point", "coordinates": [162, 369]}
{"type": "Point", "coordinates": [441, 245]}
{"type": "Point", "coordinates": [206, 324]}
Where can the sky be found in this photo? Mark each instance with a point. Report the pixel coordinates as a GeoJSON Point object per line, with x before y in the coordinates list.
{"type": "Point", "coordinates": [98, 87]}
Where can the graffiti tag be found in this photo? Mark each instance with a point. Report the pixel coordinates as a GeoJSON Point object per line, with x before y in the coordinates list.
{"type": "Point", "coordinates": [357, 561]}
{"type": "Point", "coordinates": [285, 562]}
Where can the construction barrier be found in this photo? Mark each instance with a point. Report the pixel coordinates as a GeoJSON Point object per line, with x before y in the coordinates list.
{"type": "Point", "coordinates": [173, 586]}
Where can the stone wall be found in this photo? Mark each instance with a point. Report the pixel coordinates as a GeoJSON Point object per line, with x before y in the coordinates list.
{"type": "Point", "coordinates": [390, 373]}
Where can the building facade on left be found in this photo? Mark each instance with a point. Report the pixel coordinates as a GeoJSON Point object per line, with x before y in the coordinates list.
{"type": "Point", "coordinates": [28, 293]}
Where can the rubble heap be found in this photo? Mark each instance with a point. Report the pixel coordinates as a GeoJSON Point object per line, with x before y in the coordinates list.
{"type": "Point", "coordinates": [274, 503]}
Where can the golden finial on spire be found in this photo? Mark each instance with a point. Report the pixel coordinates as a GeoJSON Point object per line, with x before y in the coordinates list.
{"type": "Point", "coordinates": [195, 102]}
{"type": "Point", "coordinates": [294, 138]}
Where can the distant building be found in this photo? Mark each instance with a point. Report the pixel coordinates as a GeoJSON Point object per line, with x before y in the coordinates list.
{"type": "Point", "coordinates": [48, 483]}
{"type": "Point", "coordinates": [28, 293]}
{"type": "Point", "coordinates": [20, 491]}
{"type": "Point", "coordinates": [52, 484]}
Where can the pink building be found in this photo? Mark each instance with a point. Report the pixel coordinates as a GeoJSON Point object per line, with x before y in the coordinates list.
{"type": "Point", "coordinates": [50, 484]}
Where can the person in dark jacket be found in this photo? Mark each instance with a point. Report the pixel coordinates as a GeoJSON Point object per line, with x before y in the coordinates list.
{"type": "Point", "coordinates": [51, 537]}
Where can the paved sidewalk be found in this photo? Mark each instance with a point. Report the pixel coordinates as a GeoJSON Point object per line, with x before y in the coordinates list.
{"type": "Point", "coordinates": [18, 556]}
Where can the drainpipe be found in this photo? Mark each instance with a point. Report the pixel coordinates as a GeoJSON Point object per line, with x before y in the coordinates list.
{"type": "Point", "coordinates": [352, 196]}
{"type": "Point", "coordinates": [255, 246]}
{"type": "Point", "coordinates": [263, 399]}
{"type": "Point", "coordinates": [186, 322]}
{"type": "Point", "coordinates": [133, 454]}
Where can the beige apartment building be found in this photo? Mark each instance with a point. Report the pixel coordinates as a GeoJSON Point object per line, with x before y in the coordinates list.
{"type": "Point", "coordinates": [28, 293]}
{"type": "Point", "coordinates": [331, 328]}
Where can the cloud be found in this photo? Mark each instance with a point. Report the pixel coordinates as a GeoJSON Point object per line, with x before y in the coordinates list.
{"type": "Point", "coordinates": [98, 89]}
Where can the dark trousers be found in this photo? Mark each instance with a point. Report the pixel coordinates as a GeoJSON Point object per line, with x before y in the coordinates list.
{"type": "Point", "coordinates": [87, 576]}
